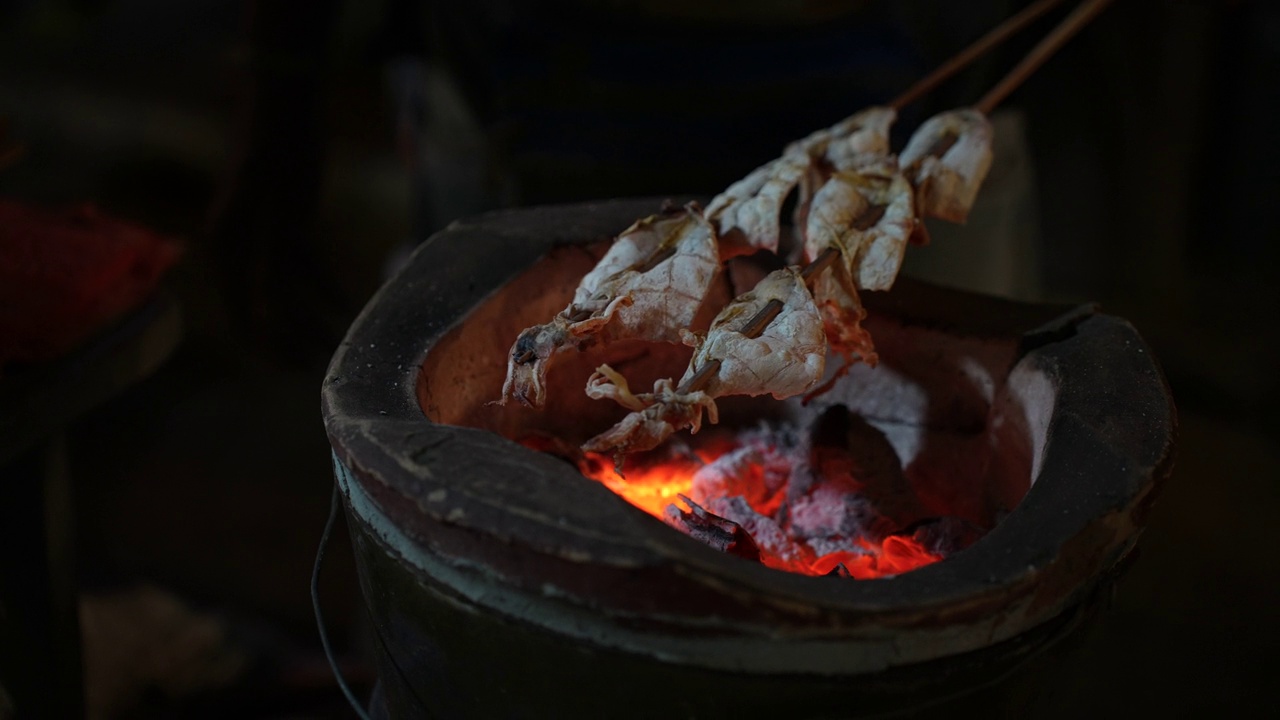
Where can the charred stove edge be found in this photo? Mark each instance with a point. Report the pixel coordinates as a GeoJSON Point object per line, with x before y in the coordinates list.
{"type": "Point", "coordinates": [1110, 422]}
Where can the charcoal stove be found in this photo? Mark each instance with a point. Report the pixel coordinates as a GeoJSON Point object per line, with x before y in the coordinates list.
{"type": "Point", "coordinates": [503, 583]}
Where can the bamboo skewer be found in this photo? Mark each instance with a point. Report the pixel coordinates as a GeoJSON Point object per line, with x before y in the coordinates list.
{"type": "Point", "coordinates": [980, 47]}
{"type": "Point", "coordinates": [1072, 24]}
{"type": "Point", "coordinates": [1002, 32]}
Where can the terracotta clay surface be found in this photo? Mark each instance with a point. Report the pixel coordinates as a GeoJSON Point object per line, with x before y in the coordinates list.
{"type": "Point", "coordinates": [1052, 422]}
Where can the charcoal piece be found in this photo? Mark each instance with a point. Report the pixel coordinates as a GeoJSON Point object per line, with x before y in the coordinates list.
{"type": "Point", "coordinates": [831, 429]}
{"type": "Point", "coordinates": [718, 532]}
{"type": "Point", "coordinates": [760, 469]}
{"type": "Point", "coordinates": [856, 457]}
{"type": "Point", "coordinates": [768, 535]}
{"type": "Point", "coordinates": [840, 571]}
{"type": "Point", "coordinates": [944, 535]}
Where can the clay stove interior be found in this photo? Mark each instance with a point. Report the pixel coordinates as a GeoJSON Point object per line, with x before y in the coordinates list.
{"type": "Point", "coordinates": [966, 430]}
{"type": "Point", "coordinates": [491, 571]}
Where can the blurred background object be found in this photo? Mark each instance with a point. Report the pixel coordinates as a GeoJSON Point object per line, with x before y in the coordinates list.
{"type": "Point", "coordinates": [66, 275]}
{"type": "Point", "coordinates": [297, 150]}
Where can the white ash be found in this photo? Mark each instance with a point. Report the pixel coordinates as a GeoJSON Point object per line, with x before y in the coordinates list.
{"type": "Point", "coordinates": [775, 456]}
{"type": "Point", "coordinates": [830, 510]}
{"type": "Point", "coordinates": [828, 545]}
{"type": "Point", "coordinates": [796, 498]}
{"type": "Point", "coordinates": [764, 530]}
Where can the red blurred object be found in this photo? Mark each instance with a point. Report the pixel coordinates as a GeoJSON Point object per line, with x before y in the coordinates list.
{"type": "Point", "coordinates": [66, 274]}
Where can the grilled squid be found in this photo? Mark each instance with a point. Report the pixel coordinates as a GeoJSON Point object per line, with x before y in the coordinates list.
{"type": "Point", "coordinates": [856, 202]}
{"type": "Point", "coordinates": [739, 355]}
{"type": "Point", "coordinates": [655, 416]}
{"type": "Point", "coordinates": [857, 141]}
{"type": "Point", "coordinates": [648, 286]}
{"type": "Point", "coordinates": [946, 160]}
{"type": "Point", "coordinates": [867, 214]}
{"type": "Point", "coordinates": [748, 213]}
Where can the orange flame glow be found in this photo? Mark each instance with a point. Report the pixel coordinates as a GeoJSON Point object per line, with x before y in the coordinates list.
{"type": "Point", "coordinates": [653, 487]}
{"type": "Point", "coordinates": [893, 556]}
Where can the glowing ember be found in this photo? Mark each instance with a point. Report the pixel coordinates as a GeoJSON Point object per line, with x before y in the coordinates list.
{"type": "Point", "coordinates": [760, 496]}
{"type": "Point", "coordinates": [651, 488]}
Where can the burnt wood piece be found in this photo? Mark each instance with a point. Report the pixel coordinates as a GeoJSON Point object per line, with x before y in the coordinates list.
{"type": "Point", "coordinates": [489, 580]}
{"type": "Point", "coordinates": [944, 535]}
{"type": "Point", "coordinates": [712, 530]}
{"type": "Point", "coordinates": [840, 571]}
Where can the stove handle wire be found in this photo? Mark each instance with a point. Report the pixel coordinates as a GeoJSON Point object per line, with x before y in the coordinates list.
{"type": "Point", "coordinates": [315, 604]}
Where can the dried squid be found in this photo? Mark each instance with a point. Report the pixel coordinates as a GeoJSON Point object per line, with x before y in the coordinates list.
{"type": "Point", "coordinates": [649, 286]}
{"type": "Point", "coordinates": [857, 141]}
{"type": "Point", "coordinates": [858, 207]}
{"type": "Point", "coordinates": [946, 160]}
{"type": "Point", "coordinates": [782, 357]}
{"type": "Point", "coordinates": [748, 213]}
{"type": "Point", "coordinates": [859, 204]}
{"type": "Point", "coordinates": [869, 216]}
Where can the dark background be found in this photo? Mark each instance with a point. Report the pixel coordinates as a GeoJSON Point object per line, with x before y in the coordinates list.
{"type": "Point", "coordinates": [298, 149]}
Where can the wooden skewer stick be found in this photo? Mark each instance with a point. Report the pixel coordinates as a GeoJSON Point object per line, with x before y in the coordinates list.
{"type": "Point", "coordinates": [980, 47]}
{"type": "Point", "coordinates": [995, 37]}
{"type": "Point", "coordinates": [702, 377]}
{"type": "Point", "coordinates": [1005, 30]}
{"type": "Point", "coordinates": [1072, 24]}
